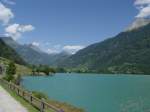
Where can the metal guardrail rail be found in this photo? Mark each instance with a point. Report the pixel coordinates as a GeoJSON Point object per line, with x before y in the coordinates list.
{"type": "Point", "coordinates": [40, 104]}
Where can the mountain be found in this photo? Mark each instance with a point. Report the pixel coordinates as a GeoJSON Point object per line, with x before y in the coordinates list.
{"type": "Point", "coordinates": [128, 52]}
{"type": "Point", "coordinates": [37, 49]}
{"type": "Point", "coordinates": [59, 58]}
{"type": "Point", "coordinates": [8, 53]}
{"type": "Point", "coordinates": [32, 54]}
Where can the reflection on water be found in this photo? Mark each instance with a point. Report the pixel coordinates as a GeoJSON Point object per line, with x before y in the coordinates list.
{"type": "Point", "coordinates": [132, 105]}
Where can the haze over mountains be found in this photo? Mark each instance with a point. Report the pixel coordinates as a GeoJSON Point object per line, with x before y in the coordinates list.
{"type": "Point", "coordinates": [139, 22]}
{"type": "Point", "coordinates": [33, 55]}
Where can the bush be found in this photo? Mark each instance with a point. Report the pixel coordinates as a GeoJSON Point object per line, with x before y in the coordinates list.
{"type": "Point", "coordinates": [8, 78]}
{"type": "Point", "coordinates": [39, 95]}
{"type": "Point", "coordinates": [10, 71]}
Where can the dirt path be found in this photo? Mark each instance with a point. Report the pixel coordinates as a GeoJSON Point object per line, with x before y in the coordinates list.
{"type": "Point", "coordinates": [8, 103]}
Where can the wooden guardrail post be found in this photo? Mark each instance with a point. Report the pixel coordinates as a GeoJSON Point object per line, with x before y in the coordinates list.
{"type": "Point", "coordinates": [10, 84]}
{"type": "Point", "coordinates": [31, 98]}
{"type": "Point", "coordinates": [21, 92]}
{"type": "Point", "coordinates": [17, 90]}
{"type": "Point", "coordinates": [42, 105]}
{"type": "Point", "coordinates": [61, 110]}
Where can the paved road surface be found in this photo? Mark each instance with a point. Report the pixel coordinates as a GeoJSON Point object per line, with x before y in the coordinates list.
{"type": "Point", "coordinates": [8, 103]}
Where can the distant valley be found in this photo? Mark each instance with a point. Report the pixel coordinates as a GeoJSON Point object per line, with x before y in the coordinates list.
{"type": "Point", "coordinates": [33, 55]}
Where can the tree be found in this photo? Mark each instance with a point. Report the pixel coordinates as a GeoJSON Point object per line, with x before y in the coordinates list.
{"type": "Point", "coordinates": [34, 69]}
{"type": "Point", "coordinates": [60, 70]}
{"type": "Point", "coordinates": [52, 70]}
{"type": "Point", "coordinates": [10, 71]}
{"type": "Point", "coordinates": [46, 70]}
{"type": "Point", "coordinates": [43, 69]}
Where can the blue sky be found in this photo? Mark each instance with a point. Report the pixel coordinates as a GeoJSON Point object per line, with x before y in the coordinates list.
{"type": "Point", "coordinates": [67, 24]}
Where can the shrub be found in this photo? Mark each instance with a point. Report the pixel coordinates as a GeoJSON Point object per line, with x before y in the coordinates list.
{"type": "Point", "coordinates": [39, 95]}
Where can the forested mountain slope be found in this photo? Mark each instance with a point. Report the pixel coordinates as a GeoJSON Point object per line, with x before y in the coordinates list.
{"type": "Point", "coordinates": [9, 53]}
{"type": "Point", "coordinates": [128, 52]}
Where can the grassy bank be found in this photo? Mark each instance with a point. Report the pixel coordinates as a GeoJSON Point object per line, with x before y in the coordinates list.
{"type": "Point", "coordinates": [65, 106]}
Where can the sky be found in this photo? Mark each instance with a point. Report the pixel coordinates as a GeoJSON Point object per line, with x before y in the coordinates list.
{"type": "Point", "coordinates": [70, 25]}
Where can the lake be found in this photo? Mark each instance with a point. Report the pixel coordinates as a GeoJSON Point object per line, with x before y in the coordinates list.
{"type": "Point", "coordinates": [95, 92]}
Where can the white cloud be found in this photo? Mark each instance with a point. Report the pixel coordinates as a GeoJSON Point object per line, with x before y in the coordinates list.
{"type": "Point", "coordinates": [139, 22]}
{"type": "Point", "coordinates": [9, 2]}
{"type": "Point", "coordinates": [36, 44]}
{"type": "Point", "coordinates": [52, 51]}
{"type": "Point", "coordinates": [25, 28]}
{"type": "Point", "coordinates": [13, 30]}
{"type": "Point", "coordinates": [144, 12]}
{"type": "Point", "coordinates": [5, 14]}
{"type": "Point", "coordinates": [72, 48]}
{"type": "Point", "coordinates": [143, 7]}
{"type": "Point", "coordinates": [58, 46]}
{"type": "Point", "coordinates": [16, 30]}
{"type": "Point", "coordinates": [142, 2]}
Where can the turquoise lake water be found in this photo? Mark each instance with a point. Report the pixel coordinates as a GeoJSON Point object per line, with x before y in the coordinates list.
{"type": "Point", "coordinates": [95, 92]}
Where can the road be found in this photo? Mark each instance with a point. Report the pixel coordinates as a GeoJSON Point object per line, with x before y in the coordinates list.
{"type": "Point", "coordinates": [8, 103]}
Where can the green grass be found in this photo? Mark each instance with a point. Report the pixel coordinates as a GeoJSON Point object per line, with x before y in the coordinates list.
{"type": "Point", "coordinates": [27, 105]}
